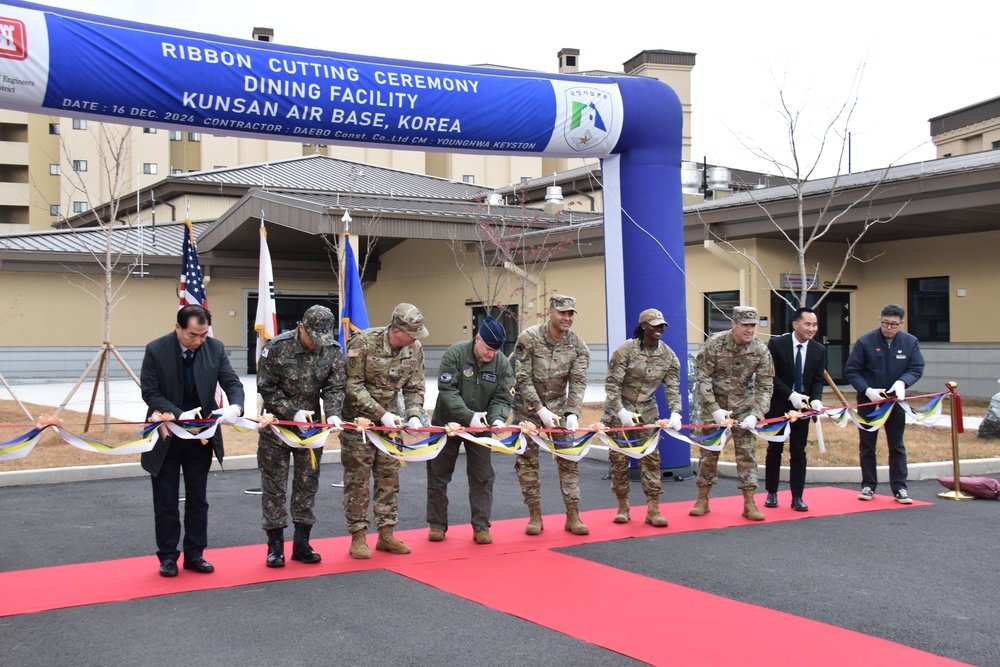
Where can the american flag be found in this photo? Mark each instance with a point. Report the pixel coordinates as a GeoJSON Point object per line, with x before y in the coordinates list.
{"type": "Point", "coordinates": [192, 287]}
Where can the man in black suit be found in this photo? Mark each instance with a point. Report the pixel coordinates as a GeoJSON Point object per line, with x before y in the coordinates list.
{"type": "Point", "coordinates": [179, 375]}
{"type": "Point", "coordinates": [799, 362]}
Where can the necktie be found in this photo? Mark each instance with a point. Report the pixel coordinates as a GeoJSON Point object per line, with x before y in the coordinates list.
{"type": "Point", "coordinates": [797, 379]}
{"type": "Point", "coordinates": [188, 370]}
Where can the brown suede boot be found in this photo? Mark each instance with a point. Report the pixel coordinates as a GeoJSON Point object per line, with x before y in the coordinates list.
{"type": "Point", "coordinates": [653, 516]}
{"type": "Point", "coordinates": [534, 526]}
{"type": "Point", "coordinates": [387, 542]}
{"type": "Point", "coordinates": [573, 523]}
{"type": "Point", "coordinates": [622, 515]}
{"type": "Point", "coordinates": [701, 505]}
{"type": "Point", "coordinates": [750, 510]}
{"type": "Point", "coordinates": [359, 545]}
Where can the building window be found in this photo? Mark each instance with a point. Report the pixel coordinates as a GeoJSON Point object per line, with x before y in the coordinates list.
{"type": "Point", "coordinates": [80, 207]}
{"type": "Point", "coordinates": [194, 136]}
{"type": "Point", "coordinates": [53, 128]}
{"type": "Point", "coordinates": [53, 170]}
{"type": "Point", "coordinates": [176, 171]}
{"type": "Point", "coordinates": [219, 166]}
{"type": "Point", "coordinates": [525, 179]}
{"type": "Point", "coordinates": [149, 130]}
{"type": "Point", "coordinates": [54, 210]}
{"type": "Point", "coordinates": [176, 135]}
{"type": "Point", "coordinates": [927, 312]}
{"type": "Point", "coordinates": [79, 124]}
{"type": "Point", "coordinates": [307, 145]}
{"type": "Point", "coordinates": [468, 178]}
{"type": "Point", "coordinates": [719, 309]}
{"type": "Point", "coordinates": [996, 145]}
{"type": "Point", "coordinates": [149, 167]}
{"type": "Point", "coordinates": [79, 165]}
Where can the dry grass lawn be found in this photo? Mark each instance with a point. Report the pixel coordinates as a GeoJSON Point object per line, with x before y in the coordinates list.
{"type": "Point", "coordinates": [923, 443]}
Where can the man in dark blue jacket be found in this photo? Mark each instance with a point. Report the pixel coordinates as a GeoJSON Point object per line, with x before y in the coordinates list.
{"type": "Point", "coordinates": [884, 362]}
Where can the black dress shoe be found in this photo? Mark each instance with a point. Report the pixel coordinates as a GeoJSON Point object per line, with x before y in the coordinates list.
{"type": "Point", "coordinates": [771, 500]}
{"type": "Point", "coordinates": [198, 564]}
{"type": "Point", "coordinates": [168, 568]}
{"type": "Point", "coordinates": [799, 506]}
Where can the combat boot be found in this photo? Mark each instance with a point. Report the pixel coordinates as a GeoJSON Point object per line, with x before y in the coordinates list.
{"type": "Point", "coordinates": [750, 510]}
{"type": "Point", "coordinates": [573, 523]}
{"type": "Point", "coordinates": [359, 545]}
{"type": "Point", "coordinates": [301, 551]}
{"type": "Point", "coordinates": [701, 505]}
{"type": "Point", "coordinates": [276, 547]}
{"type": "Point", "coordinates": [387, 542]}
{"type": "Point", "coordinates": [622, 515]}
{"type": "Point", "coordinates": [534, 526]}
{"type": "Point", "coordinates": [653, 516]}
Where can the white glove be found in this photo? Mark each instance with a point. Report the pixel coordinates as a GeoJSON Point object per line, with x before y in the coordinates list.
{"type": "Point", "coordinates": [228, 414]}
{"type": "Point", "coordinates": [303, 416]}
{"type": "Point", "coordinates": [548, 417]}
{"type": "Point", "coordinates": [412, 424]}
{"type": "Point", "coordinates": [749, 424]}
{"type": "Point", "coordinates": [817, 406]}
{"type": "Point", "coordinates": [629, 418]}
{"type": "Point", "coordinates": [874, 394]}
{"type": "Point", "coordinates": [336, 426]}
{"type": "Point", "coordinates": [721, 416]}
{"type": "Point", "coordinates": [478, 419]}
{"type": "Point", "coordinates": [797, 400]}
{"type": "Point", "coordinates": [675, 421]}
{"type": "Point", "coordinates": [190, 414]}
{"type": "Point", "coordinates": [499, 423]}
{"type": "Point", "coordinates": [572, 422]}
{"type": "Point", "coordinates": [390, 420]}
{"type": "Point", "coordinates": [899, 389]}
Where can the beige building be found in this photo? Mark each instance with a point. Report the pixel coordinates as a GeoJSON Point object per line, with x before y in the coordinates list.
{"type": "Point", "coordinates": [971, 129]}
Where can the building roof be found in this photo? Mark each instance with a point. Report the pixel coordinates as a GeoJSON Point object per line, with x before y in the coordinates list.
{"type": "Point", "coordinates": [965, 117]}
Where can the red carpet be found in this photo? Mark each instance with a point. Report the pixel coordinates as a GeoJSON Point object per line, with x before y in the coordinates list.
{"type": "Point", "coordinates": [559, 601]}
{"type": "Point", "coordinates": [662, 622]}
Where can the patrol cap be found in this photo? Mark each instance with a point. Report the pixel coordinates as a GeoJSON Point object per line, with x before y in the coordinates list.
{"type": "Point", "coordinates": [320, 325]}
{"type": "Point", "coordinates": [652, 317]}
{"type": "Point", "coordinates": [562, 302]}
{"type": "Point", "coordinates": [492, 333]}
{"type": "Point", "coordinates": [408, 317]}
{"type": "Point", "coordinates": [745, 315]}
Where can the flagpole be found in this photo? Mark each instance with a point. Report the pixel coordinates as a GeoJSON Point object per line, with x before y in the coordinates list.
{"type": "Point", "coordinates": [344, 238]}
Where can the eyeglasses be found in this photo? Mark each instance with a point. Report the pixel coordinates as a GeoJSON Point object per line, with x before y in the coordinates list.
{"type": "Point", "coordinates": [891, 325]}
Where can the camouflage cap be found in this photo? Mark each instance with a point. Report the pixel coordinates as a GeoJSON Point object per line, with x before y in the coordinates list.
{"type": "Point", "coordinates": [652, 317]}
{"type": "Point", "coordinates": [562, 302]}
{"type": "Point", "coordinates": [408, 317]}
{"type": "Point", "coordinates": [745, 315]}
{"type": "Point", "coordinates": [321, 325]}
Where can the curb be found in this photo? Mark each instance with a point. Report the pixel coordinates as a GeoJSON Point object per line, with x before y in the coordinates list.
{"type": "Point", "coordinates": [814, 475]}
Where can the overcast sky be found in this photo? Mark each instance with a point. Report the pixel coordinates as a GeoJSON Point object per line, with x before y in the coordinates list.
{"type": "Point", "coordinates": [920, 61]}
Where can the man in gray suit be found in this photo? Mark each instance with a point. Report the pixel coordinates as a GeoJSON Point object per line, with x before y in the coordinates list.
{"type": "Point", "coordinates": [179, 375]}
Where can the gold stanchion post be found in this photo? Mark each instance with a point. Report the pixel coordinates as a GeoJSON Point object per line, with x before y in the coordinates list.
{"type": "Point", "coordinates": [956, 416]}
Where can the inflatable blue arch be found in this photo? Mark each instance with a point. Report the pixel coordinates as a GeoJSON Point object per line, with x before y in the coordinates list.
{"type": "Point", "coordinates": [61, 62]}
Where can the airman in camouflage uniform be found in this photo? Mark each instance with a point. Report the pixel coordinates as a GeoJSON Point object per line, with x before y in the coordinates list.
{"type": "Point", "coordinates": [735, 380]}
{"type": "Point", "coordinates": [636, 370]}
{"type": "Point", "coordinates": [381, 362]}
{"type": "Point", "coordinates": [550, 367]}
{"type": "Point", "coordinates": [296, 369]}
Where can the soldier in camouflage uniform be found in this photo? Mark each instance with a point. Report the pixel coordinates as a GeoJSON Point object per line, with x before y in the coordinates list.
{"type": "Point", "coordinates": [297, 369]}
{"type": "Point", "coordinates": [550, 367]}
{"type": "Point", "coordinates": [473, 390]}
{"type": "Point", "coordinates": [381, 362]}
{"type": "Point", "coordinates": [735, 380]}
{"type": "Point", "coordinates": [636, 370]}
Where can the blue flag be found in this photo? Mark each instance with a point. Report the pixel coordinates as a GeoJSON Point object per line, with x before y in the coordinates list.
{"type": "Point", "coordinates": [354, 314]}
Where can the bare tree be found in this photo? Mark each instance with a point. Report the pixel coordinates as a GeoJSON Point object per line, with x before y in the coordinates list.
{"type": "Point", "coordinates": [107, 248]}
{"type": "Point", "coordinates": [509, 256]}
{"type": "Point", "coordinates": [814, 223]}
